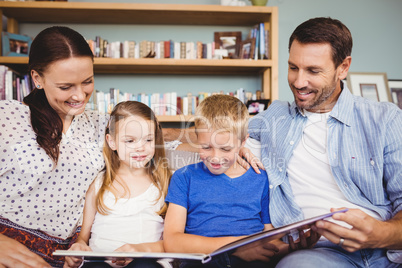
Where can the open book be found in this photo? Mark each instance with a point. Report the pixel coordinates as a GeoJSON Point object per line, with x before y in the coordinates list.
{"type": "Point", "coordinates": [249, 241]}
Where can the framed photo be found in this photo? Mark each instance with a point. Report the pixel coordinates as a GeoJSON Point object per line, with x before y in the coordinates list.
{"type": "Point", "coordinates": [247, 48]}
{"type": "Point", "coordinates": [229, 41]}
{"type": "Point", "coordinates": [373, 86]}
{"type": "Point", "coordinates": [15, 44]}
{"type": "Point", "coordinates": [395, 86]}
{"type": "Point", "coordinates": [257, 106]}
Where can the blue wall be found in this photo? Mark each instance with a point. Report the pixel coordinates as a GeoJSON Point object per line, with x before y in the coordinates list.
{"type": "Point", "coordinates": [375, 26]}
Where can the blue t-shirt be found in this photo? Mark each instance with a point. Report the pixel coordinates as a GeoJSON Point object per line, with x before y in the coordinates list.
{"type": "Point", "coordinates": [218, 205]}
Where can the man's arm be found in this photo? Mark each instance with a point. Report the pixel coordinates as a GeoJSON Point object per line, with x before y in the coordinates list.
{"type": "Point", "coordinates": [367, 232]}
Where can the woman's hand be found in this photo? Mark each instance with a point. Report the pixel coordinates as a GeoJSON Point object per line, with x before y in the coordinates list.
{"type": "Point", "coordinates": [15, 254]}
{"type": "Point", "coordinates": [73, 262]}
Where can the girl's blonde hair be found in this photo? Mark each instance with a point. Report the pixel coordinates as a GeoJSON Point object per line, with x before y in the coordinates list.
{"type": "Point", "coordinates": [158, 166]}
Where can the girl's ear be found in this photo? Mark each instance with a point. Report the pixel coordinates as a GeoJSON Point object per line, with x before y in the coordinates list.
{"type": "Point", "coordinates": [111, 142]}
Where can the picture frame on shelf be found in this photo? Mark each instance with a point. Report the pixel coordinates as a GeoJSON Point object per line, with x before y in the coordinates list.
{"type": "Point", "coordinates": [15, 45]}
{"type": "Point", "coordinates": [229, 41]}
{"type": "Point", "coordinates": [373, 86]}
{"type": "Point", "coordinates": [247, 48]}
{"type": "Point", "coordinates": [257, 106]}
{"type": "Point", "coordinates": [395, 86]}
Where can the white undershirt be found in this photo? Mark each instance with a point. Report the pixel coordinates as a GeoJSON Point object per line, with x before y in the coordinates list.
{"type": "Point", "coordinates": [314, 187]}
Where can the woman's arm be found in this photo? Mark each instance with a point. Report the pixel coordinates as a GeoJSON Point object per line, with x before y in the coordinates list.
{"type": "Point", "coordinates": [175, 240]}
{"type": "Point", "coordinates": [15, 254]}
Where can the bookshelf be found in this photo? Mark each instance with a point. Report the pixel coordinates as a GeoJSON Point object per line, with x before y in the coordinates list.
{"type": "Point", "coordinates": [172, 14]}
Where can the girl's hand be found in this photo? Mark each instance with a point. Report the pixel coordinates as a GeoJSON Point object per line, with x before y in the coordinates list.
{"type": "Point", "coordinates": [73, 262]}
{"type": "Point", "coordinates": [15, 254]}
{"type": "Point", "coordinates": [144, 247]}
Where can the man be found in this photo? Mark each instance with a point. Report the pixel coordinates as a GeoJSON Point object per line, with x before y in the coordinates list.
{"type": "Point", "coordinates": [330, 149]}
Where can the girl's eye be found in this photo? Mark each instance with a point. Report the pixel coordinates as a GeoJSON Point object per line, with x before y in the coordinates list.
{"type": "Point", "coordinates": [129, 141]}
{"type": "Point", "coordinates": [206, 148]}
{"type": "Point", "coordinates": [64, 88]}
{"type": "Point", "coordinates": [225, 150]}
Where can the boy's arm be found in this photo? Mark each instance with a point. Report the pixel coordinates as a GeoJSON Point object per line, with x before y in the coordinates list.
{"type": "Point", "coordinates": [175, 240]}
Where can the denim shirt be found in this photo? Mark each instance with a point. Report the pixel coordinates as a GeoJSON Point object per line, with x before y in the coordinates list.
{"type": "Point", "coordinates": [364, 146]}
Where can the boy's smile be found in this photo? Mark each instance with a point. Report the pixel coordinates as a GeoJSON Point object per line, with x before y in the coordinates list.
{"type": "Point", "coordinates": [219, 150]}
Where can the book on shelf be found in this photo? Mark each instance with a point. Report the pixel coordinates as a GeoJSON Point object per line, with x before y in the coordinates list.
{"type": "Point", "coordinates": [13, 85]}
{"type": "Point", "coordinates": [245, 243]}
{"type": "Point", "coordinates": [151, 49]}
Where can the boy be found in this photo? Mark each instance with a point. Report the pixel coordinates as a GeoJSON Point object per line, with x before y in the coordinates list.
{"type": "Point", "coordinates": [217, 201]}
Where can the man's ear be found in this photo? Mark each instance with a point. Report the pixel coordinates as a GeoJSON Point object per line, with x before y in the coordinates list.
{"type": "Point", "coordinates": [111, 142]}
{"type": "Point", "coordinates": [344, 67]}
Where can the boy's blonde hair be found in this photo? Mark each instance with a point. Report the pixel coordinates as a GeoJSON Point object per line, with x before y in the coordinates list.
{"type": "Point", "coordinates": [158, 166]}
{"type": "Point", "coordinates": [223, 112]}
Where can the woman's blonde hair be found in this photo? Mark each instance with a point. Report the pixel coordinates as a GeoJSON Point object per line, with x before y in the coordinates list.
{"type": "Point", "coordinates": [157, 167]}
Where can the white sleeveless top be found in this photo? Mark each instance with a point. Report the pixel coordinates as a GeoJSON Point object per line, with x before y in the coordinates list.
{"type": "Point", "coordinates": [130, 221]}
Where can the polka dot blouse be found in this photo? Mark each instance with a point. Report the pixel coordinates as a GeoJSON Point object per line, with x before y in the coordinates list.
{"type": "Point", "coordinates": [33, 192]}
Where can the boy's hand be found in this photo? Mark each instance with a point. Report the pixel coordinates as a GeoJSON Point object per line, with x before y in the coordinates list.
{"type": "Point", "coordinates": [306, 240]}
{"type": "Point", "coordinates": [257, 251]}
{"type": "Point", "coordinates": [73, 262]}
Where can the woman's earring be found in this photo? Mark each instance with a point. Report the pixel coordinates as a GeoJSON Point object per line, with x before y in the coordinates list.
{"type": "Point", "coordinates": [38, 86]}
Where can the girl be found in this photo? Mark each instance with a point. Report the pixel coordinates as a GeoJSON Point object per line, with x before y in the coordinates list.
{"type": "Point", "coordinates": [125, 204]}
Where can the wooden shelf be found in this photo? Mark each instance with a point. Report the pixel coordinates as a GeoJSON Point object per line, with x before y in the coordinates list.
{"type": "Point", "coordinates": [162, 66]}
{"type": "Point", "coordinates": [176, 118]}
{"type": "Point", "coordinates": [155, 14]}
{"type": "Point", "coordinates": [133, 13]}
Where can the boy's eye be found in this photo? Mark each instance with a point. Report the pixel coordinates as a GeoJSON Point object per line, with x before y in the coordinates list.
{"type": "Point", "coordinates": [205, 147]}
{"type": "Point", "coordinates": [149, 140]}
{"type": "Point", "coordinates": [130, 141]}
{"type": "Point", "coordinates": [225, 149]}
{"type": "Point", "coordinates": [88, 82]}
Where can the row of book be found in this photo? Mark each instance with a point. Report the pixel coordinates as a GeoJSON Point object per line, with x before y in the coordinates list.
{"type": "Point", "coordinates": [151, 49]}
{"type": "Point", "coordinates": [168, 103]}
{"type": "Point", "coordinates": [14, 86]}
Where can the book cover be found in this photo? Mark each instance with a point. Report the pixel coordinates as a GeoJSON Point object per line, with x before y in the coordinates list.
{"type": "Point", "coordinates": [248, 241]}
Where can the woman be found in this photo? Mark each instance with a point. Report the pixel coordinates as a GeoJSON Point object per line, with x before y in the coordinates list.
{"type": "Point", "coordinates": [50, 151]}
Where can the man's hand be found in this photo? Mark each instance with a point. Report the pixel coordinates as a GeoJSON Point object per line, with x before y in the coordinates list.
{"type": "Point", "coordinates": [366, 231]}
{"type": "Point", "coordinates": [73, 262]}
{"type": "Point", "coordinates": [249, 159]}
{"type": "Point", "coordinates": [15, 254]}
